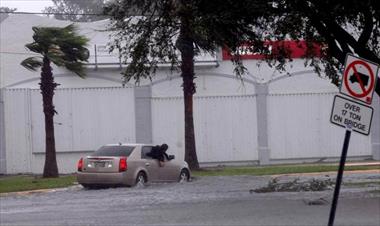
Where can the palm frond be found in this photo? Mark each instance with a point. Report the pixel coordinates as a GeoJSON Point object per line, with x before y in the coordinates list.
{"type": "Point", "coordinates": [34, 47]}
{"type": "Point", "coordinates": [70, 28]}
{"type": "Point", "coordinates": [56, 55]}
{"type": "Point", "coordinates": [77, 68]}
{"type": "Point", "coordinates": [32, 63]}
{"type": "Point", "coordinates": [62, 46]}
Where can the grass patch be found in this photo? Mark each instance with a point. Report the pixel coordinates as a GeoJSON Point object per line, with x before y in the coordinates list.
{"type": "Point", "coordinates": [271, 170]}
{"type": "Point", "coordinates": [26, 182]}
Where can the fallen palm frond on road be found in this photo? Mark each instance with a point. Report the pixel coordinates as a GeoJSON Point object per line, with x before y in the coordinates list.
{"type": "Point", "coordinates": [296, 185]}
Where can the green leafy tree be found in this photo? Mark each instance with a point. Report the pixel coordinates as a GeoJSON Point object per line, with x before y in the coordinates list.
{"type": "Point", "coordinates": [344, 26]}
{"type": "Point", "coordinates": [160, 29]}
{"type": "Point", "coordinates": [77, 10]}
{"type": "Point", "coordinates": [64, 48]}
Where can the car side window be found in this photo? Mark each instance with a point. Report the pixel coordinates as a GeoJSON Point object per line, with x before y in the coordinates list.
{"type": "Point", "coordinates": [144, 151]}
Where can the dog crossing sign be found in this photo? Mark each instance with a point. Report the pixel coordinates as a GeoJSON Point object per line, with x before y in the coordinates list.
{"type": "Point", "coordinates": [359, 79]}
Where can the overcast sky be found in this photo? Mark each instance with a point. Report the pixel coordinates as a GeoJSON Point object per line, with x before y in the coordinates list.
{"type": "Point", "coordinates": [26, 5]}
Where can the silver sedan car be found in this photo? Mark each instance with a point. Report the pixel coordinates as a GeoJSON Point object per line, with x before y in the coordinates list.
{"type": "Point", "coordinates": [128, 165]}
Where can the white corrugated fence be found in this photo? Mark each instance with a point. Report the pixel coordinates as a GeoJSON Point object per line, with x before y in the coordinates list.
{"type": "Point", "coordinates": [226, 128]}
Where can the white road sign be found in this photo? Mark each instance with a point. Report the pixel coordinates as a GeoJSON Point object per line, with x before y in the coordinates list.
{"type": "Point", "coordinates": [351, 114]}
{"type": "Point", "coordinates": [359, 79]}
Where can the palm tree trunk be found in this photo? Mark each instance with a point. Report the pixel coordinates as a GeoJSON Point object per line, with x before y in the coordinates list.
{"type": "Point", "coordinates": [47, 87]}
{"type": "Point", "coordinates": [185, 45]}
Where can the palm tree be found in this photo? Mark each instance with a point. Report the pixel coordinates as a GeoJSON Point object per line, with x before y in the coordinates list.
{"type": "Point", "coordinates": [65, 48]}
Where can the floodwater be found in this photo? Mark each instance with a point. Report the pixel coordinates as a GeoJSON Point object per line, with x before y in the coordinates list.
{"type": "Point", "coordinates": [222, 200]}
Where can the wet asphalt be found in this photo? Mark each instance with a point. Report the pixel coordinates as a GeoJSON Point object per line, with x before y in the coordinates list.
{"type": "Point", "coordinates": [222, 200]}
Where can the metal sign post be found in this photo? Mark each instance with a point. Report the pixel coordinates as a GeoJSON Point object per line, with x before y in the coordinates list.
{"type": "Point", "coordinates": [358, 82]}
{"type": "Point", "coordinates": [339, 177]}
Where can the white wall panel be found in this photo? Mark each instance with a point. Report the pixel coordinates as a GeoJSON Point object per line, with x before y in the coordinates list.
{"type": "Point", "coordinates": [102, 116]}
{"type": "Point", "coordinates": [168, 124]}
{"type": "Point", "coordinates": [38, 123]}
{"type": "Point", "coordinates": [63, 121]}
{"type": "Point", "coordinates": [87, 119]}
{"type": "Point", "coordinates": [299, 127]}
{"type": "Point", "coordinates": [225, 127]}
{"type": "Point", "coordinates": [17, 130]}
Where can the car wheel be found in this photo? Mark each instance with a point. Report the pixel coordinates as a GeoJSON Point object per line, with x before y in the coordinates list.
{"type": "Point", "coordinates": [184, 176]}
{"type": "Point", "coordinates": [141, 179]}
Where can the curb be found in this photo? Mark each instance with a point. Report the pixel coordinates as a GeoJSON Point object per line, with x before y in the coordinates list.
{"type": "Point", "coordinates": [30, 192]}
{"type": "Point", "coordinates": [363, 164]}
{"type": "Point", "coordinates": [38, 191]}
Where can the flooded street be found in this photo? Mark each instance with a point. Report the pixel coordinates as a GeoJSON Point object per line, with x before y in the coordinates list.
{"type": "Point", "coordinates": [227, 200]}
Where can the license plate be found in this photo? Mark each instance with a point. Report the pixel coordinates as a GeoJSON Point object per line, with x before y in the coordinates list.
{"type": "Point", "coordinates": [100, 164]}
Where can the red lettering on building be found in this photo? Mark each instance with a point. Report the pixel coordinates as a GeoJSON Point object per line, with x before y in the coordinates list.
{"type": "Point", "coordinates": [296, 49]}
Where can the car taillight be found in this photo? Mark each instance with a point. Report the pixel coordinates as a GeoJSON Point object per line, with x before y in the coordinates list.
{"type": "Point", "coordinates": [80, 164]}
{"type": "Point", "coordinates": [122, 164]}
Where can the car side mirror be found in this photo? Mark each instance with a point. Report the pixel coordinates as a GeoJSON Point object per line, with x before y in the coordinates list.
{"type": "Point", "coordinates": [171, 157]}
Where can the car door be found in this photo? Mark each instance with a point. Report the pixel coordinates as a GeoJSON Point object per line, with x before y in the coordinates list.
{"type": "Point", "coordinates": [151, 165]}
{"type": "Point", "coordinates": [169, 171]}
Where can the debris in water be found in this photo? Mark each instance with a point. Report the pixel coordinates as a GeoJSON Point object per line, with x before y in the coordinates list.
{"type": "Point", "coordinates": [295, 186]}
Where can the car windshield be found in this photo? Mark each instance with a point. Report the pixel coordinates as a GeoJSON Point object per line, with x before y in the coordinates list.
{"type": "Point", "coordinates": [114, 151]}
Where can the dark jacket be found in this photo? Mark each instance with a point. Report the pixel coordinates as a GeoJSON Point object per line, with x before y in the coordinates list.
{"type": "Point", "coordinates": [158, 153]}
